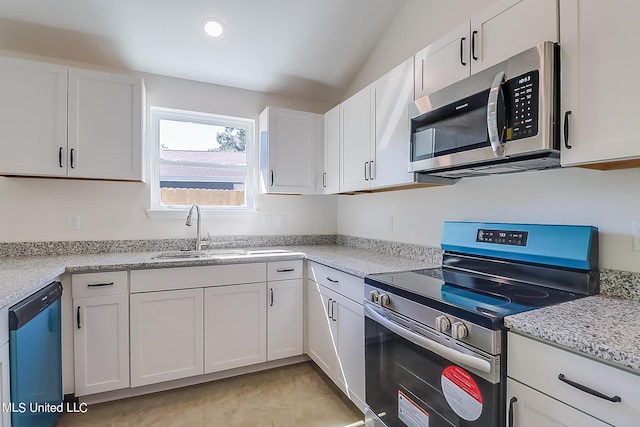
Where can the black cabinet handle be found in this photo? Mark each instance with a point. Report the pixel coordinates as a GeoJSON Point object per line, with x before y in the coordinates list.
{"type": "Point", "coordinates": [272, 178]}
{"type": "Point", "coordinates": [324, 180]}
{"type": "Point", "coordinates": [473, 45]}
{"type": "Point", "coordinates": [586, 389]}
{"type": "Point", "coordinates": [462, 39]}
{"type": "Point", "coordinates": [371, 170]}
{"type": "Point", "coordinates": [511, 402]}
{"type": "Point", "coordinates": [285, 270]}
{"type": "Point", "coordinates": [328, 303]}
{"type": "Point", "coordinates": [78, 317]}
{"type": "Point", "coordinates": [333, 311]}
{"type": "Point", "coordinates": [271, 289]}
{"type": "Point", "coordinates": [60, 157]}
{"type": "Point", "coordinates": [331, 280]}
{"type": "Point", "coordinates": [365, 171]}
{"type": "Point", "coordinates": [96, 285]}
{"type": "Point", "coordinates": [566, 129]}
{"type": "Point", "coordinates": [71, 159]}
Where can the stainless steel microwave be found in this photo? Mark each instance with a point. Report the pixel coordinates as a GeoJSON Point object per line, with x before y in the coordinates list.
{"type": "Point", "coordinates": [502, 119]}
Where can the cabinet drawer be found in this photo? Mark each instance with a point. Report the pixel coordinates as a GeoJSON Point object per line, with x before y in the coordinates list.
{"type": "Point", "coordinates": [163, 279]}
{"type": "Point", "coordinates": [345, 284]}
{"type": "Point", "coordinates": [96, 284]}
{"type": "Point", "coordinates": [538, 365]}
{"type": "Point", "coordinates": [283, 270]}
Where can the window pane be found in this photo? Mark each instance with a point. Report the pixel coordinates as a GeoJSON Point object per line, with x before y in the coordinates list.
{"type": "Point", "coordinates": [185, 185]}
{"type": "Point", "coordinates": [202, 143]}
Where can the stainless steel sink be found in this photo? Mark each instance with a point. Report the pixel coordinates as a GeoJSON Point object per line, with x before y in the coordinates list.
{"type": "Point", "coordinates": [181, 255]}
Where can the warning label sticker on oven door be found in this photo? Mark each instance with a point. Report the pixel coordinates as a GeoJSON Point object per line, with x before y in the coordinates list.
{"type": "Point", "coordinates": [410, 413]}
{"type": "Point", "coordinates": [462, 393]}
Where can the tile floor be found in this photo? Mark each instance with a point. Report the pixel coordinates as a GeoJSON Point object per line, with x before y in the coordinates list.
{"type": "Point", "coordinates": [292, 396]}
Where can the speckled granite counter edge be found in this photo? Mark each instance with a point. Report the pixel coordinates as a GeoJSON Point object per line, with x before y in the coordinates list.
{"type": "Point", "coordinates": [430, 254]}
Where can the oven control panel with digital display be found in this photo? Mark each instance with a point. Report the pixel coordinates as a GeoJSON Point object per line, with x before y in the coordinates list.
{"type": "Point", "coordinates": [502, 237]}
{"type": "Point", "coordinates": [521, 97]}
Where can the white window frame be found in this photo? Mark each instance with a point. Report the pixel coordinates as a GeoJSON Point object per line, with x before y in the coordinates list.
{"type": "Point", "coordinates": [159, 211]}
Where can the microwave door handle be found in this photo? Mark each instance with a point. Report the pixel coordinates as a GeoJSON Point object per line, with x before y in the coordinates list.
{"type": "Point", "coordinates": [439, 349]}
{"type": "Point", "coordinates": [492, 115]}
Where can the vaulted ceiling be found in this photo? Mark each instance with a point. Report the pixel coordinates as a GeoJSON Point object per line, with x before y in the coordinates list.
{"type": "Point", "coordinates": [309, 49]}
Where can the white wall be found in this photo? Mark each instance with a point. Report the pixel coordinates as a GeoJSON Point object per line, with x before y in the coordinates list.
{"type": "Point", "coordinates": [608, 200]}
{"type": "Point", "coordinates": [36, 209]}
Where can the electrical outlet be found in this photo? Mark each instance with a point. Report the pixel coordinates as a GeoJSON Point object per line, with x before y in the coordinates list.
{"type": "Point", "coordinates": [266, 221]}
{"type": "Point", "coordinates": [73, 221]}
{"type": "Point", "coordinates": [282, 221]}
{"type": "Point", "coordinates": [635, 234]}
{"type": "Point", "coordinates": [389, 223]}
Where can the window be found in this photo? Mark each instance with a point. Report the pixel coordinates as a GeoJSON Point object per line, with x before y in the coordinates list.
{"type": "Point", "coordinates": [201, 158]}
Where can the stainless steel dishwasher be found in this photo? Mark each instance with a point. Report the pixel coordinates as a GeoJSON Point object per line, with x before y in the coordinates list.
{"type": "Point", "coordinates": [35, 358]}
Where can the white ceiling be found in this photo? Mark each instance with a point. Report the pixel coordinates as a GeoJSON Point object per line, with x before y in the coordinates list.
{"type": "Point", "coordinates": [310, 49]}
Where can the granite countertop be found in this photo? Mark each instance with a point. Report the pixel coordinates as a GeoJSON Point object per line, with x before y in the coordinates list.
{"type": "Point", "coordinates": [603, 327]}
{"type": "Point", "coordinates": [22, 276]}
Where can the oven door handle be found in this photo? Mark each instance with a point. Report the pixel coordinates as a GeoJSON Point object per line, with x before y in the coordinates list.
{"type": "Point", "coordinates": [492, 115]}
{"type": "Point", "coordinates": [441, 350]}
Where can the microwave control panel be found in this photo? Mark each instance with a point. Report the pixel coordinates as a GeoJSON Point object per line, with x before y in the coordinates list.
{"type": "Point", "coordinates": [522, 102]}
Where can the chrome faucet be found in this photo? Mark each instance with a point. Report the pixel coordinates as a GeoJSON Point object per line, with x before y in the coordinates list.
{"type": "Point", "coordinates": [188, 223]}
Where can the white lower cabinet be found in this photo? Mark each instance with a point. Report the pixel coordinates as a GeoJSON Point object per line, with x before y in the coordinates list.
{"type": "Point", "coordinates": [530, 408]}
{"type": "Point", "coordinates": [235, 332]}
{"type": "Point", "coordinates": [285, 303]}
{"type": "Point", "coordinates": [100, 332]}
{"type": "Point", "coordinates": [558, 387]}
{"type": "Point", "coordinates": [101, 343]}
{"type": "Point", "coordinates": [166, 335]}
{"type": "Point", "coordinates": [335, 330]}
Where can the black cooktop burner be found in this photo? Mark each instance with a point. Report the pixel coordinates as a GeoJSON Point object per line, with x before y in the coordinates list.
{"type": "Point", "coordinates": [476, 294]}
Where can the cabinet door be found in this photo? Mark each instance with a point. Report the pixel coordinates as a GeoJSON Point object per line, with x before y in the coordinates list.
{"type": "Point", "coordinates": [5, 385]}
{"type": "Point", "coordinates": [356, 141]}
{"type": "Point", "coordinates": [533, 409]}
{"type": "Point", "coordinates": [443, 62]}
{"type": "Point", "coordinates": [166, 336]}
{"type": "Point", "coordinates": [493, 31]}
{"type": "Point", "coordinates": [235, 326]}
{"type": "Point", "coordinates": [390, 97]}
{"type": "Point", "coordinates": [600, 59]}
{"type": "Point", "coordinates": [105, 125]}
{"type": "Point", "coordinates": [350, 334]}
{"type": "Point", "coordinates": [331, 175]}
{"type": "Point", "coordinates": [33, 118]}
{"type": "Point", "coordinates": [284, 318]}
{"type": "Point", "coordinates": [101, 343]}
{"type": "Point", "coordinates": [287, 146]}
{"type": "Point", "coordinates": [320, 333]}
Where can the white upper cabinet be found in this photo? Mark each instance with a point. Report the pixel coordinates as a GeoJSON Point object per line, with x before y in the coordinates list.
{"type": "Point", "coordinates": [105, 125]}
{"type": "Point", "coordinates": [33, 118]}
{"type": "Point", "coordinates": [76, 123]}
{"type": "Point", "coordinates": [600, 93]}
{"type": "Point", "coordinates": [499, 32]}
{"type": "Point", "coordinates": [288, 143]}
{"type": "Point", "coordinates": [390, 98]}
{"type": "Point", "coordinates": [443, 62]}
{"type": "Point", "coordinates": [331, 173]}
{"type": "Point", "coordinates": [510, 27]}
{"type": "Point", "coordinates": [356, 152]}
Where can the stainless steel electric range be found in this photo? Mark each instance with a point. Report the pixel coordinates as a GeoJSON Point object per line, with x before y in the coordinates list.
{"type": "Point", "coordinates": [435, 338]}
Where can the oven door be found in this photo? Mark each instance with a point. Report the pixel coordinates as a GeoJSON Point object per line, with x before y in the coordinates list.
{"type": "Point", "coordinates": [412, 380]}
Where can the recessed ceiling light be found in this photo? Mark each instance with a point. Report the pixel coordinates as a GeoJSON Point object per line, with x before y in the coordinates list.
{"type": "Point", "coordinates": [213, 28]}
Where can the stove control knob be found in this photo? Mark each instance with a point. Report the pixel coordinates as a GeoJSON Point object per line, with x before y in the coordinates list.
{"type": "Point", "coordinates": [442, 324]}
{"type": "Point", "coordinates": [383, 300]}
{"type": "Point", "coordinates": [459, 330]}
{"type": "Point", "coordinates": [373, 296]}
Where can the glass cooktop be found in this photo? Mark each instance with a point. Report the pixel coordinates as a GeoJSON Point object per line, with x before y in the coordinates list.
{"type": "Point", "coordinates": [494, 297]}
